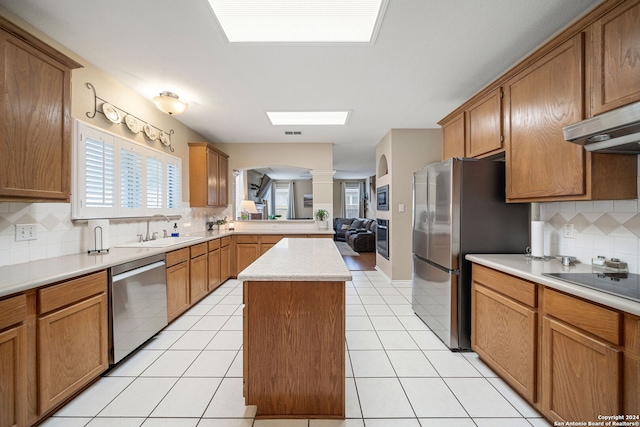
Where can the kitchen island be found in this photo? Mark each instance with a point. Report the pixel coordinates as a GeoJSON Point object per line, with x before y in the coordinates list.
{"type": "Point", "coordinates": [294, 330]}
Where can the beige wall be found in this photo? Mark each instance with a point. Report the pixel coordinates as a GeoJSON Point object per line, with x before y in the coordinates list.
{"type": "Point", "coordinates": [120, 96]}
{"type": "Point", "coordinates": [262, 155]}
{"type": "Point", "coordinates": [407, 150]}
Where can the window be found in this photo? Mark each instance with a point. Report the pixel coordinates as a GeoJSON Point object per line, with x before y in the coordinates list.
{"type": "Point", "coordinates": [352, 199]}
{"type": "Point", "coordinates": [115, 177]}
{"type": "Point", "coordinates": [281, 198]}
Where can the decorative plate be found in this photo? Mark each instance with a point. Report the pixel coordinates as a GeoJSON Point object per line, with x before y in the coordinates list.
{"type": "Point", "coordinates": [111, 113]}
{"type": "Point", "coordinates": [150, 132]}
{"type": "Point", "coordinates": [165, 139]}
{"type": "Point", "coordinates": [132, 123]}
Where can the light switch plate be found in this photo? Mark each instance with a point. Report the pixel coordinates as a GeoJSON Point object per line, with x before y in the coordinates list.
{"type": "Point", "coordinates": [26, 232]}
{"type": "Point", "coordinates": [401, 207]}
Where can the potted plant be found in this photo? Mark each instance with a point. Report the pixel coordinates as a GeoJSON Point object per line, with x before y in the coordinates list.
{"type": "Point", "coordinates": [221, 223]}
{"type": "Point", "coordinates": [321, 216]}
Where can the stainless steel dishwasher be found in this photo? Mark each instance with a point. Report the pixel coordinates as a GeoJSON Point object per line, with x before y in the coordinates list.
{"type": "Point", "coordinates": [138, 304]}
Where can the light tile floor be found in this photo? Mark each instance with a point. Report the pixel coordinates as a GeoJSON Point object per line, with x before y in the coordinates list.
{"type": "Point", "coordinates": [399, 373]}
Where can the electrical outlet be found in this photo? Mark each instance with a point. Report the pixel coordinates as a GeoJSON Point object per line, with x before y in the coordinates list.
{"type": "Point", "coordinates": [567, 231]}
{"type": "Point", "coordinates": [25, 232]}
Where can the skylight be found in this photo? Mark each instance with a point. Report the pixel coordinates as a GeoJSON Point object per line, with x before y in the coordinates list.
{"type": "Point", "coordinates": [299, 21]}
{"type": "Point", "coordinates": [289, 118]}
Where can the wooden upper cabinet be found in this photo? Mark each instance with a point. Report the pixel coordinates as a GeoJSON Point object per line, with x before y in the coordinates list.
{"type": "Point", "coordinates": [208, 169]}
{"type": "Point", "coordinates": [541, 165]}
{"type": "Point", "coordinates": [453, 137]}
{"type": "Point", "coordinates": [615, 58]}
{"type": "Point", "coordinates": [484, 125]}
{"type": "Point", "coordinates": [35, 117]}
{"type": "Point", "coordinates": [223, 171]}
{"type": "Point", "coordinates": [539, 102]}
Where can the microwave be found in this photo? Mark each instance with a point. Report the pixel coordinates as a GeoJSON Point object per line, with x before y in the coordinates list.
{"type": "Point", "coordinates": [383, 198]}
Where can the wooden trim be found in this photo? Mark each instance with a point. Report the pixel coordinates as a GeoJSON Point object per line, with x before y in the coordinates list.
{"type": "Point", "coordinates": [511, 286]}
{"type": "Point", "coordinates": [69, 292]}
{"type": "Point", "coordinates": [13, 311]}
{"type": "Point", "coordinates": [597, 320]}
{"type": "Point", "coordinates": [176, 257]}
{"type": "Point", "coordinates": [32, 40]}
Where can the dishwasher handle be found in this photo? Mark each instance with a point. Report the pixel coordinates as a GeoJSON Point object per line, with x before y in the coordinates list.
{"type": "Point", "coordinates": [136, 271]}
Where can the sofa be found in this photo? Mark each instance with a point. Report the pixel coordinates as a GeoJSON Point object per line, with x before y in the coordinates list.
{"type": "Point", "coordinates": [358, 233]}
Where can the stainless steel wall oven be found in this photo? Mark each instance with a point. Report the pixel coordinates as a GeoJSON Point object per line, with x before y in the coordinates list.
{"type": "Point", "coordinates": [382, 237]}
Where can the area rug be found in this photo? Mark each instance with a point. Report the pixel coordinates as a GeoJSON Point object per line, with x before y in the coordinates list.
{"type": "Point", "coordinates": [345, 249]}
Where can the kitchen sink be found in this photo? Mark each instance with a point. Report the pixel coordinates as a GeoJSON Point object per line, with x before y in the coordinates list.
{"type": "Point", "coordinates": [159, 243]}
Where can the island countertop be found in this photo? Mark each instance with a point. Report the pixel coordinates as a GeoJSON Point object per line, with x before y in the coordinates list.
{"type": "Point", "coordinates": [312, 259]}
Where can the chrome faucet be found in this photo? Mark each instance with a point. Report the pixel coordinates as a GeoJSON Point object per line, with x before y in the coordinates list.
{"type": "Point", "coordinates": [148, 237]}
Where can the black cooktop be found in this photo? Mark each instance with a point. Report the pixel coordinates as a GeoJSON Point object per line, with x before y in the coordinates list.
{"type": "Point", "coordinates": [624, 285]}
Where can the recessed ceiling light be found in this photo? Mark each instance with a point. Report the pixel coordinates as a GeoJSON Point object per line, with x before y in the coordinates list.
{"type": "Point", "coordinates": [293, 118]}
{"type": "Point", "coordinates": [298, 21]}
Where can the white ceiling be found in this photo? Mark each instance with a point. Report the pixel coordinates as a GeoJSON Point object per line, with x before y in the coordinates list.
{"type": "Point", "coordinates": [429, 57]}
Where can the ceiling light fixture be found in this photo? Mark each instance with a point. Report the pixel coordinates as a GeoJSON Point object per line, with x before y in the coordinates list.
{"type": "Point", "coordinates": [169, 103]}
{"type": "Point", "coordinates": [302, 118]}
{"type": "Point", "coordinates": [295, 21]}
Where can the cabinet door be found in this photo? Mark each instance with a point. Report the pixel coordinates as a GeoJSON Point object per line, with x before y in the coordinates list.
{"type": "Point", "coordinates": [212, 178]}
{"type": "Point", "coordinates": [199, 283]}
{"type": "Point", "coordinates": [214, 269]}
{"type": "Point", "coordinates": [504, 335]}
{"type": "Point", "coordinates": [225, 263]}
{"type": "Point", "coordinates": [223, 171]}
{"type": "Point", "coordinates": [72, 349]}
{"type": "Point", "coordinates": [246, 253]}
{"type": "Point", "coordinates": [35, 140]}
{"type": "Point", "coordinates": [13, 377]}
{"type": "Point", "coordinates": [615, 58]}
{"type": "Point", "coordinates": [453, 137]}
{"type": "Point", "coordinates": [581, 376]}
{"type": "Point", "coordinates": [484, 125]}
{"type": "Point", "coordinates": [177, 290]}
{"type": "Point", "coordinates": [540, 101]}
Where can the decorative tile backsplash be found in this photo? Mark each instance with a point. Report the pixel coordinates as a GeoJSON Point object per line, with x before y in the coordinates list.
{"type": "Point", "coordinates": [57, 235]}
{"type": "Point", "coordinates": [608, 228]}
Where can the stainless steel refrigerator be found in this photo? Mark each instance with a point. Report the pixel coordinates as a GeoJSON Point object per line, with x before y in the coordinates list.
{"type": "Point", "coordinates": [459, 208]}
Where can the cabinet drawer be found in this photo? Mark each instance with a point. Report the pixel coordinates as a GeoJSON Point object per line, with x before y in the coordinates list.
{"type": "Point", "coordinates": [72, 291]}
{"type": "Point", "coordinates": [199, 249]}
{"type": "Point", "coordinates": [225, 241]}
{"type": "Point", "coordinates": [270, 238]}
{"type": "Point", "coordinates": [176, 257]}
{"type": "Point", "coordinates": [632, 335]}
{"type": "Point", "coordinates": [514, 287]}
{"type": "Point", "coordinates": [247, 238]}
{"type": "Point", "coordinates": [602, 322]}
{"type": "Point", "coordinates": [213, 244]}
{"type": "Point", "coordinates": [13, 310]}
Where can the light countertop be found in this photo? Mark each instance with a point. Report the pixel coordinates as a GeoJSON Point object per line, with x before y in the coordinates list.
{"type": "Point", "coordinates": [532, 269]}
{"type": "Point", "coordinates": [299, 260]}
{"type": "Point", "coordinates": [21, 277]}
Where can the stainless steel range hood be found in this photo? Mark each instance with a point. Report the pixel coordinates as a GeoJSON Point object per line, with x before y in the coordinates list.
{"type": "Point", "coordinates": [616, 131]}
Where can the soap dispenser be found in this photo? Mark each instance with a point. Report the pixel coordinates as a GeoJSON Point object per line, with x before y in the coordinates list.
{"type": "Point", "coordinates": [175, 230]}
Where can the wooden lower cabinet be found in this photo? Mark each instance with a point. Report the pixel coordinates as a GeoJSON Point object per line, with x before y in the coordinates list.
{"type": "Point", "coordinates": [72, 337]}
{"type": "Point", "coordinates": [247, 250]}
{"type": "Point", "coordinates": [213, 264]}
{"type": "Point", "coordinates": [198, 277]}
{"type": "Point", "coordinates": [267, 241]}
{"type": "Point", "coordinates": [177, 283]}
{"type": "Point", "coordinates": [504, 334]}
{"type": "Point", "coordinates": [581, 375]}
{"type": "Point", "coordinates": [225, 259]}
{"type": "Point", "coordinates": [631, 364]}
{"type": "Point", "coordinates": [570, 358]}
{"type": "Point", "coordinates": [14, 359]}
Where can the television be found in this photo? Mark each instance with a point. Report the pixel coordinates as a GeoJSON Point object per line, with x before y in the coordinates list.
{"type": "Point", "coordinates": [383, 198]}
